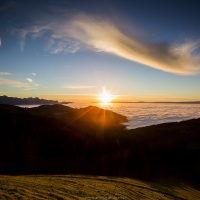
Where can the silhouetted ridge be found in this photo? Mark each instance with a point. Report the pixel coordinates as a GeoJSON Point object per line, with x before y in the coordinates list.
{"type": "Point", "coordinates": [61, 140]}
{"type": "Point", "coordinates": [100, 116]}
{"type": "Point", "coordinates": [52, 109]}
{"type": "Point", "coordinates": [27, 101]}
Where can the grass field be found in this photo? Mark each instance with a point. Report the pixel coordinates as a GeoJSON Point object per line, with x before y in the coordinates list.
{"type": "Point", "coordinates": [90, 187]}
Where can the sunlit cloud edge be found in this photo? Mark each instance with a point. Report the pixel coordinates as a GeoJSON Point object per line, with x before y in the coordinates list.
{"type": "Point", "coordinates": [102, 35]}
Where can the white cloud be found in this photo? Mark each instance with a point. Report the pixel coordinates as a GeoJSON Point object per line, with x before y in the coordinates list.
{"type": "Point", "coordinates": [5, 73]}
{"type": "Point", "coordinates": [102, 35]}
{"type": "Point", "coordinates": [33, 74]}
{"type": "Point", "coordinates": [78, 86]}
{"type": "Point", "coordinates": [105, 36]}
{"type": "Point", "coordinates": [29, 80]}
{"type": "Point", "coordinates": [0, 42]}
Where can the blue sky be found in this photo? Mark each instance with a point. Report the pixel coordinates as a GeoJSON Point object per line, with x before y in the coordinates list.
{"type": "Point", "coordinates": [70, 50]}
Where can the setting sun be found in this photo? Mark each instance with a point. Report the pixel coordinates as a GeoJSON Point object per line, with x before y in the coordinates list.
{"type": "Point", "coordinates": [105, 97]}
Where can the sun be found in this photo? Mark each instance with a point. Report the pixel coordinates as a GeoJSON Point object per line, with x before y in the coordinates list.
{"type": "Point", "coordinates": [105, 97]}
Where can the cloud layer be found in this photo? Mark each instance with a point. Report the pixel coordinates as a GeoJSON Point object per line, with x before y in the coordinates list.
{"type": "Point", "coordinates": [105, 36]}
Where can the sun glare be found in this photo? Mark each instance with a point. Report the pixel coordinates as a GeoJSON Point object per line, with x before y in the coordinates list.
{"type": "Point", "coordinates": [105, 97]}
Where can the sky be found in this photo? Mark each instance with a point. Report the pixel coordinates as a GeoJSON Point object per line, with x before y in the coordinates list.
{"type": "Point", "coordinates": [137, 50]}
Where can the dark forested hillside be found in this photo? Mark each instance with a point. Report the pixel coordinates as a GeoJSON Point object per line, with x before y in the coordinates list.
{"type": "Point", "coordinates": [61, 140]}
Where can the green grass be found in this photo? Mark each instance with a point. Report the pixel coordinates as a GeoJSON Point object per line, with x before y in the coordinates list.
{"type": "Point", "coordinates": [90, 187]}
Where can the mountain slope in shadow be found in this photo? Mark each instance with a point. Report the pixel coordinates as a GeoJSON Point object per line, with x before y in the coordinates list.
{"type": "Point", "coordinates": [56, 139]}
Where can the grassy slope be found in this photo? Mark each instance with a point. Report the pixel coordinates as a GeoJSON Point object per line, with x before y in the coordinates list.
{"type": "Point", "coordinates": [89, 187]}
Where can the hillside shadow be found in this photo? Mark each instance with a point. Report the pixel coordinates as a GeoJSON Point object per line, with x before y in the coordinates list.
{"type": "Point", "coordinates": [58, 139]}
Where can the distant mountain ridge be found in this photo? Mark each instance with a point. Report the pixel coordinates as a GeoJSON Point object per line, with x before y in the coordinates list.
{"type": "Point", "coordinates": [27, 101]}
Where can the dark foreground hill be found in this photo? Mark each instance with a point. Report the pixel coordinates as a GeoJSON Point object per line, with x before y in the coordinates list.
{"type": "Point", "coordinates": [61, 140]}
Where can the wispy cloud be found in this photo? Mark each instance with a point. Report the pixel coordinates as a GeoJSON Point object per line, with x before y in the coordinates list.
{"type": "Point", "coordinates": [29, 80]}
{"type": "Point", "coordinates": [32, 86]}
{"type": "Point", "coordinates": [102, 35]}
{"type": "Point", "coordinates": [34, 31]}
{"type": "Point", "coordinates": [0, 42]}
{"type": "Point", "coordinates": [107, 37]}
{"type": "Point", "coordinates": [55, 43]}
{"type": "Point", "coordinates": [56, 46]}
{"type": "Point", "coordinates": [5, 73]}
{"type": "Point", "coordinates": [78, 86]}
{"type": "Point", "coordinates": [11, 83]}
{"type": "Point", "coordinates": [18, 84]}
{"type": "Point", "coordinates": [34, 74]}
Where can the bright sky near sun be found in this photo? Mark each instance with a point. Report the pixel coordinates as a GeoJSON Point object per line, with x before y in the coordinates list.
{"type": "Point", "coordinates": [70, 50]}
